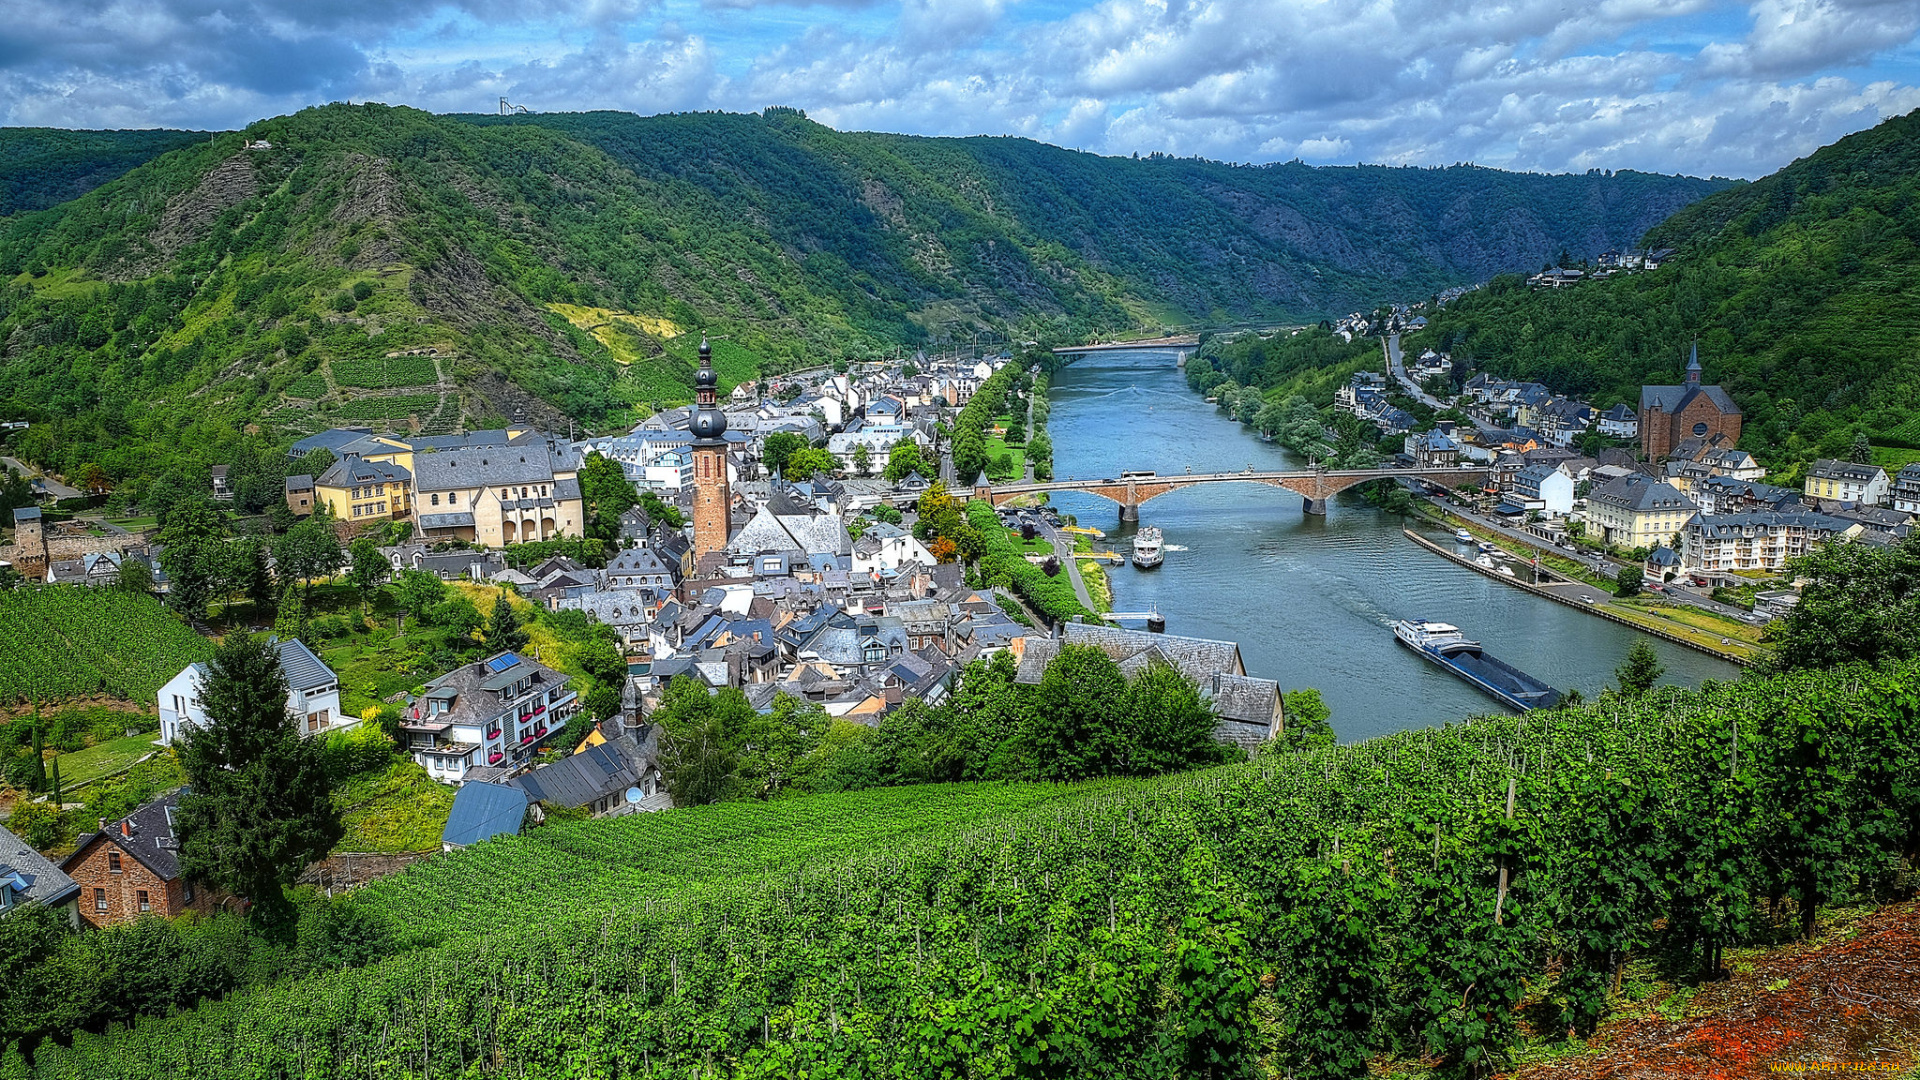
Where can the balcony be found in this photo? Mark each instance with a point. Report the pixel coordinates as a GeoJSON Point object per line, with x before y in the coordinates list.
{"type": "Point", "coordinates": [494, 757]}
{"type": "Point", "coordinates": [539, 733]}
{"type": "Point", "coordinates": [527, 738]}
{"type": "Point", "coordinates": [493, 732]}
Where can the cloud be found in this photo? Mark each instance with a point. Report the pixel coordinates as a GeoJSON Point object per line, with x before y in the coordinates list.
{"type": "Point", "coordinates": [1704, 86]}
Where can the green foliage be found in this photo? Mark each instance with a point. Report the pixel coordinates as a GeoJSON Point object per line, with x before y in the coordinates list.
{"type": "Point", "coordinates": [1628, 581]}
{"type": "Point", "coordinates": [384, 373]}
{"type": "Point", "coordinates": [43, 167]}
{"type": "Point", "coordinates": [904, 459]}
{"type": "Point", "coordinates": [1308, 724]}
{"type": "Point", "coordinates": [1004, 565]}
{"type": "Point", "coordinates": [1641, 669]}
{"type": "Point", "coordinates": [780, 446]}
{"type": "Point", "coordinates": [1776, 279]}
{"type": "Point", "coordinates": [1861, 602]}
{"type": "Point", "coordinates": [803, 463]}
{"type": "Point", "coordinates": [607, 493]}
{"type": "Point", "coordinates": [504, 633]}
{"type": "Point", "coordinates": [258, 810]}
{"type": "Point", "coordinates": [60, 642]}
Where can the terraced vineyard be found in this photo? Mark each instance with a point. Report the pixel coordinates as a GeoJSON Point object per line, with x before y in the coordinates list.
{"type": "Point", "coordinates": [386, 374]}
{"type": "Point", "coordinates": [61, 642]}
{"type": "Point", "coordinates": [397, 407]}
{"type": "Point", "coordinates": [1301, 915]}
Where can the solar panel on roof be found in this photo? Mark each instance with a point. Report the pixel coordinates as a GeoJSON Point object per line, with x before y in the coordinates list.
{"type": "Point", "coordinates": [502, 662]}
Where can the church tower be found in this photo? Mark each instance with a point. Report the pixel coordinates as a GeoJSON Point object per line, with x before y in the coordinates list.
{"type": "Point", "coordinates": [1693, 366]}
{"type": "Point", "coordinates": [712, 498]}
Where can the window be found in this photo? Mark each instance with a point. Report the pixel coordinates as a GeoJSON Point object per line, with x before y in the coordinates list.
{"type": "Point", "coordinates": [113, 862]}
{"type": "Point", "coordinates": [99, 899]}
{"type": "Point", "coordinates": [145, 906]}
{"type": "Point", "coordinates": [188, 894]}
{"type": "Point", "coordinates": [436, 500]}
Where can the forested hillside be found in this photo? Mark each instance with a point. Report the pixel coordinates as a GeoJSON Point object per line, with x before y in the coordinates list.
{"type": "Point", "coordinates": [42, 167]}
{"type": "Point", "coordinates": [1302, 914]}
{"type": "Point", "coordinates": [383, 265]}
{"type": "Point", "coordinates": [1803, 289]}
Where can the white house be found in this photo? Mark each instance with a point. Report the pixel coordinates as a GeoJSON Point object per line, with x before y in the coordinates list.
{"type": "Point", "coordinates": [1845, 481]}
{"type": "Point", "coordinates": [495, 713]}
{"type": "Point", "coordinates": [313, 695]}
{"type": "Point", "coordinates": [887, 548]}
{"type": "Point", "coordinates": [1544, 488]}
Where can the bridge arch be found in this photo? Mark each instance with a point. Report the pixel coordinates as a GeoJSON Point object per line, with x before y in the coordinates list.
{"type": "Point", "coordinates": [1314, 486]}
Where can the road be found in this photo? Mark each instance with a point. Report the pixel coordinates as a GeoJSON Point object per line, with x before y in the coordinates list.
{"type": "Point", "coordinates": [1063, 547]}
{"type": "Point", "coordinates": [1397, 365]}
{"type": "Point", "coordinates": [1599, 564]}
{"type": "Point", "coordinates": [54, 487]}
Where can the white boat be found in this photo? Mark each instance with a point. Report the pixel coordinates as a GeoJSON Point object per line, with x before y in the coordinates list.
{"type": "Point", "coordinates": [1463, 536]}
{"type": "Point", "coordinates": [1505, 569]}
{"type": "Point", "coordinates": [1485, 562]}
{"type": "Point", "coordinates": [1147, 548]}
{"type": "Point", "coordinates": [1487, 547]}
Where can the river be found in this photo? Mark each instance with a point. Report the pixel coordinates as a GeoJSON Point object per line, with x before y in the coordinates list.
{"type": "Point", "coordinates": [1310, 600]}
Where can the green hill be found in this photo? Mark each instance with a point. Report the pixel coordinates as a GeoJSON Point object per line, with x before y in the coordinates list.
{"type": "Point", "coordinates": [1295, 915]}
{"type": "Point", "coordinates": [383, 264]}
{"type": "Point", "coordinates": [1803, 289]}
{"type": "Point", "coordinates": [42, 167]}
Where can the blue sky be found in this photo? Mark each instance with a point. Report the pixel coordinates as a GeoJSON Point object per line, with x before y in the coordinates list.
{"type": "Point", "coordinates": [1670, 85]}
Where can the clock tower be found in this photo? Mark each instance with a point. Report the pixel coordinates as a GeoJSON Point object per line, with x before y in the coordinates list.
{"type": "Point", "coordinates": [712, 497]}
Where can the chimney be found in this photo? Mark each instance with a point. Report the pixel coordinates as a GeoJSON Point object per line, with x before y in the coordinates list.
{"type": "Point", "coordinates": [126, 827]}
{"type": "Point", "coordinates": [103, 824]}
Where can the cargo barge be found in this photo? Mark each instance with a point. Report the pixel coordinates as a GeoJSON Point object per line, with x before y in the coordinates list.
{"type": "Point", "coordinates": [1444, 644]}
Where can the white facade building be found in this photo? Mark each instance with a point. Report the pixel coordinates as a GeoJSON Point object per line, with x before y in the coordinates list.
{"type": "Point", "coordinates": [313, 695]}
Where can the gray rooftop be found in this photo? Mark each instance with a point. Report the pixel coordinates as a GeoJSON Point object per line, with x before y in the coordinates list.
{"type": "Point", "coordinates": [30, 876]}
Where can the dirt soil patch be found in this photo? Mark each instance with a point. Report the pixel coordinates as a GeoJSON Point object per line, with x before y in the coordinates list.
{"type": "Point", "coordinates": [1849, 1002]}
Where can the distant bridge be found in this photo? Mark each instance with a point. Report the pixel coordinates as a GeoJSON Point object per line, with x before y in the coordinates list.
{"type": "Point", "coordinates": [1315, 486]}
{"type": "Point", "coordinates": [1184, 345]}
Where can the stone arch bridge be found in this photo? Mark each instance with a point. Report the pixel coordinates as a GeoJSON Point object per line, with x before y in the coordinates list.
{"type": "Point", "coordinates": [1315, 486]}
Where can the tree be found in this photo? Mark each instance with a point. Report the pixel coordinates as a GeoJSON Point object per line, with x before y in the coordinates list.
{"type": "Point", "coordinates": [1861, 602]}
{"type": "Point", "coordinates": [1308, 724]}
{"type": "Point", "coordinates": [1078, 729]}
{"type": "Point", "coordinates": [697, 756]}
{"type": "Point", "coordinates": [803, 463]}
{"type": "Point", "coordinates": [1172, 725]}
{"type": "Point", "coordinates": [658, 511]}
{"type": "Point", "coordinates": [1627, 581]}
{"type": "Point", "coordinates": [503, 630]}
{"type": "Point", "coordinates": [1641, 670]}
{"type": "Point", "coordinates": [369, 568]}
{"type": "Point", "coordinates": [418, 592]}
{"type": "Point", "coordinates": [904, 459]}
{"type": "Point", "coordinates": [607, 494]}
{"type": "Point", "coordinates": [778, 447]}
{"type": "Point", "coordinates": [136, 576]}
{"type": "Point", "coordinates": [15, 491]}
{"type": "Point", "coordinates": [862, 459]}
{"type": "Point", "coordinates": [308, 550]}
{"type": "Point", "coordinates": [1862, 451]}
{"type": "Point", "coordinates": [258, 809]}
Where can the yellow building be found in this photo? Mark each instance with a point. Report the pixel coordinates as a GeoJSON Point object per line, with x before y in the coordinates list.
{"type": "Point", "coordinates": [357, 490]}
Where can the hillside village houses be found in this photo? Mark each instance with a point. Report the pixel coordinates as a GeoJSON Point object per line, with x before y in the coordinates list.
{"type": "Point", "coordinates": [1905, 489]}
{"type": "Point", "coordinates": [313, 695]}
{"type": "Point", "coordinates": [1846, 481]}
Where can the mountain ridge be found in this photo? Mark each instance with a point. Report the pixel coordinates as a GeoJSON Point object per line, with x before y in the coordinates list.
{"type": "Point", "coordinates": [217, 287]}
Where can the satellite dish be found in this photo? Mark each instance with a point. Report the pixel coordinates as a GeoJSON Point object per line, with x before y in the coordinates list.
{"type": "Point", "coordinates": [633, 794]}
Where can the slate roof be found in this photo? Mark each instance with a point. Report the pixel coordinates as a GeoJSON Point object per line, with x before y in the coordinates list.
{"type": "Point", "coordinates": [148, 838]}
{"type": "Point", "coordinates": [1673, 399]}
{"type": "Point", "coordinates": [482, 811]}
{"type": "Point", "coordinates": [1197, 658]}
{"type": "Point", "coordinates": [1831, 469]}
{"type": "Point", "coordinates": [590, 775]}
{"type": "Point", "coordinates": [1619, 414]}
{"type": "Point", "coordinates": [1734, 525]}
{"type": "Point", "coordinates": [303, 669]}
{"type": "Point", "coordinates": [299, 482]}
{"type": "Point", "coordinates": [332, 439]}
{"type": "Point", "coordinates": [488, 466]}
{"type": "Point", "coordinates": [352, 471]}
{"type": "Point", "coordinates": [30, 875]}
{"type": "Point", "coordinates": [26, 513]}
{"type": "Point", "coordinates": [1640, 494]}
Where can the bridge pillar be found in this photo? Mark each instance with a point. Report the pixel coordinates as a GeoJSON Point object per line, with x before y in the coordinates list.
{"type": "Point", "coordinates": [1129, 511]}
{"type": "Point", "coordinates": [1315, 507]}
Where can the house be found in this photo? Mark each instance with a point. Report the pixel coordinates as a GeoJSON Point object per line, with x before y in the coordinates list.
{"type": "Point", "coordinates": [1905, 489]}
{"type": "Point", "coordinates": [1758, 540]}
{"type": "Point", "coordinates": [1433, 449]}
{"type": "Point", "coordinates": [300, 494]}
{"type": "Point", "coordinates": [522, 490]}
{"type": "Point", "coordinates": [482, 811]}
{"type": "Point", "coordinates": [1671, 414]}
{"type": "Point", "coordinates": [885, 548]}
{"type": "Point", "coordinates": [1662, 564]}
{"type": "Point", "coordinates": [221, 489]}
{"type": "Point", "coordinates": [1846, 481]}
{"type": "Point", "coordinates": [131, 868]}
{"type": "Point", "coordinates": [1725, 495]}
{"type": "Point", "coordinates": [1619, 422]}
{"type": "Point", "coordinates": [1247, 711]}
{"type": "Point", "coordinates": [638, 568]}
{"type": "Point", "coordinates": [93, 568]}
{"type": "Point", "coordinates": [1545, 488]}
{"type": "Point", "coordinates": [357, 490]}
{"type": "Point", "coordinates": [313, 695]}
{"type": "Point", "coordinates": [27, 877]}
{"type": "Point", "coordinates": [330, 440]}
{"type": "Point", "coordinates": [492, 713]}
{"type": "Point", "coordinates": [609, 775]}
{"type": "Point", "coordinates": [1637, 511]}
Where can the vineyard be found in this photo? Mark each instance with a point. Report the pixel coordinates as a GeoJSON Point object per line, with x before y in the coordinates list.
{"type": "Point", "coordinates": [1303, 914]}
{"type": "Point", "coordinates": [63, 642]}
{"type": "Point", "coordinates": [397, 407]}
{"type": "Point", "coordinates": [386, 373]}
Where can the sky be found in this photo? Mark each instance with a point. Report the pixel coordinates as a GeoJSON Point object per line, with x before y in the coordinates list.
{"type": "Point", "coordinates": [1690, 86]}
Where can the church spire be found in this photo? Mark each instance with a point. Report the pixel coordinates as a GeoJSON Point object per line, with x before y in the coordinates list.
{"type": "Point", "coordinates": [1693, 365]}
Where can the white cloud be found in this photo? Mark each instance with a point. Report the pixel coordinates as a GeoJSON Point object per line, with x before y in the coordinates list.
{"type": "Point", "coordinates": [1675, 85]}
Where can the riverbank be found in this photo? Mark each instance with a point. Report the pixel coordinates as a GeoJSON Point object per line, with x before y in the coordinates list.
{"type": "Point", "coordinates": [1584, 597]}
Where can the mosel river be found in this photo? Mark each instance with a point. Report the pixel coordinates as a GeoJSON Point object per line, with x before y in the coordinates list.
{"type": "Point", "coordinates": [1310, 600]}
